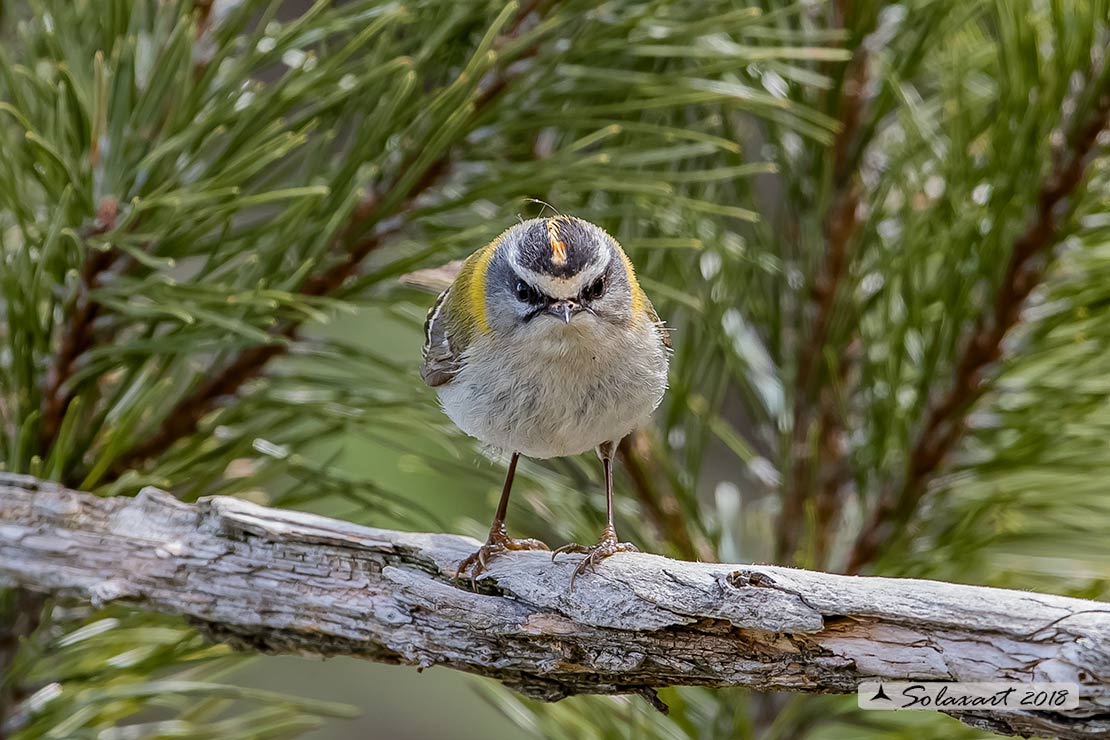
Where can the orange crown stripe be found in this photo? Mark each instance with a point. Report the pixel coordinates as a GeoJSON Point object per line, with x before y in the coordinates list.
{"type": "Point", "coordinates": [558, 247]}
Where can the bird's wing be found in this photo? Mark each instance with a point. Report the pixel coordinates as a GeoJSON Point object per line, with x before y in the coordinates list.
{"type": "Point", "coordinates": [433, 279]}
{"type": "Point", "coordinates": [441, 360]}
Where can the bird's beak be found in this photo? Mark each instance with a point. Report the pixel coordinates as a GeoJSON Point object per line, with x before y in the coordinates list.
{"type": "Point", "coordinates": [563, 310]}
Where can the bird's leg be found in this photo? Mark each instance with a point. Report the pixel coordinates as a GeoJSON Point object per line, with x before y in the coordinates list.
{"type": "Point", "coordinates": [608, 544]}
{"type": "Point", "coordinates": [498, 540]}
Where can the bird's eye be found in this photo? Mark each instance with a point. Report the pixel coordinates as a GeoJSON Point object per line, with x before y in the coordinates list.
{"type": "Point", "coordinates": [525, 293]}
{"type": "Point", "coordinates": [594, 290]}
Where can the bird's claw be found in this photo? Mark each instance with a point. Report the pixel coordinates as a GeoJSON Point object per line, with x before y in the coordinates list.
{"type": "Point", "coordinates": [498, 542]}
{"type": "Point", "coordinates": [569, 547]}
{"type": "Point", "coordinates": [606, 546]}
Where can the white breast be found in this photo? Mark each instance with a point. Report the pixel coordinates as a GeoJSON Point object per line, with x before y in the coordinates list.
{"type": "Point", "coordinates": [553, 390]}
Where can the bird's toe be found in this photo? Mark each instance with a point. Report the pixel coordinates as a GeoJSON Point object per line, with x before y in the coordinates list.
{"type": "Point", "coordinates": [478, 562]}
{"type": "Point", "coordinates": [606, 547]}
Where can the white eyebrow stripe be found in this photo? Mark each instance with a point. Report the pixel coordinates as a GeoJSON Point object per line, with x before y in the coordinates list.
{"type": "Point", "coordinates": [562, 288]}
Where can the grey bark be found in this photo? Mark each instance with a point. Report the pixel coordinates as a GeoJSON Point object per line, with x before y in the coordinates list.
{"type": "Point", "coordinates": [279, 581]}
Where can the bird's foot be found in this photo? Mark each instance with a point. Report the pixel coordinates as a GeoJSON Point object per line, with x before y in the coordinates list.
{"type": "Point", "coordinates": [606, 546]}
{"type": "Point", "coordinates": [498, 542]}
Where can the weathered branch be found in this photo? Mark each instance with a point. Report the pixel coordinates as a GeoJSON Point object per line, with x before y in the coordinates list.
{"type": "Point", "coordinates": [286, 582]}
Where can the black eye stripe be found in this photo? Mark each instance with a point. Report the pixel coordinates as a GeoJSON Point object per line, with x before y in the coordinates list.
{"type": "Point", "coordinates": [594, 290]}
{"type": "Point", "coordinates": [525, 293]}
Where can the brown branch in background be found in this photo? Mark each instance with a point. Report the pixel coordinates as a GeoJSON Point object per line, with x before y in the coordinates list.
{"type": "Point", "coordinates": [250, 363]}
{"type": "Point", "coordinates": [661, 507]}
{"type": "Point", "coordinates": [946, 423]}
{"type": "Point", "coordinates": [186, 416]}
{"type": "Point", "coordinates": [77, 334]}
{"type": "Point", "coordinates": [204, 14]}
{"type": "Point", "coordinates": [19, 618]}
{"type": "Point", "coordinates": [840, 226]}
{"type": "Point", "coordinates": [835, 473]}
{"type": "Point", "coordinates": [357, 245]}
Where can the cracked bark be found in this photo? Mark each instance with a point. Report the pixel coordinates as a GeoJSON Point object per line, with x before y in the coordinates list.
{"type": "Point", "coordinates": [277, 581]}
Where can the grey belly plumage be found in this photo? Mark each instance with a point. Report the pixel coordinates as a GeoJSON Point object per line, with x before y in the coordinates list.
{"type": "Point", "coordinates": [559, 394]}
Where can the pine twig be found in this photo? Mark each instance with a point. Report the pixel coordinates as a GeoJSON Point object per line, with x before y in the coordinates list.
{"type": "Point", "coordinates": [77, 336]}
{"type": "Point", "coordinates": [834, 470]}
{"type": "Point", "coordinates": [662, 508]}
{"type": "Point", "coordinates": [946, 422]}
{"type": "Point", "coordinates": [840, 227]}
{"type": "Point", "coordinates": [17, 623]}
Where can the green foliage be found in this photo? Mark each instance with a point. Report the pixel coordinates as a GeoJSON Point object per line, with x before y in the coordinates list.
{"type": "Point", "coordinates": [723, 713]}
{"type": "Point", "coordinates": [196, 192]}
{"type": "Point", "coordinates": [95, 669]}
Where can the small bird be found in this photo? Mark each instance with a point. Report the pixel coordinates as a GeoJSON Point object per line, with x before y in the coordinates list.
{"type": "Point", "coordinates": [546, 346]}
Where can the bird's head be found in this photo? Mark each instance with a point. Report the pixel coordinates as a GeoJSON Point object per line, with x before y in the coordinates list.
{"type": "Point", "coordinates": [551, 274]}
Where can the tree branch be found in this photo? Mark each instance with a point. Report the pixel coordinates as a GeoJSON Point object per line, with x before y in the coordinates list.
{"type": "Point", "coordinates": [840, 226]}
{"type": "Point", "coordinates": [21, 620]}
{"type": "Point", "coordinates": [77, 333]}
{"type": "Point", "coordinates": [662, 507]}
{"type": "Point", "coordinates": [946, 421]}
{"type": "Point", "coordinates": [279, 581]}
{"type": "Point", "coordinates": [20, 613]}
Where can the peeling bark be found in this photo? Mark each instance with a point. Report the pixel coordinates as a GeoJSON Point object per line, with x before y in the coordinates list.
{"type": "Point", "coordinates": [277, 581]}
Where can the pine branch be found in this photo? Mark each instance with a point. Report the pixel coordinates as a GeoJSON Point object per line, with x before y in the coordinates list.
{"type": "Point", "coordinates": [835, 471]}
{"type": "Point", "coordinates": [274, 581]}
{"type": "Point", "coordinates": [251, 363]}
{"type": "Point", "coordinates": [77, 333]}
{"type": "Point", "coordinates": [77, 338]}
{"type": "Point", "coordinates": [355, 243]}
{"type": "Point", "coordinates": [19, 618]}
{"type": "Point", "coordinates": [840, 227]}
{"type": "Point", "coordinates": [662, 508]}
{"type": "Point", "coordinates": [946, 422]}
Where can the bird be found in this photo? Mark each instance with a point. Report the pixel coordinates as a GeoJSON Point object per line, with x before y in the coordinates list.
{"type": "Point", "coordinates": [546, 346]}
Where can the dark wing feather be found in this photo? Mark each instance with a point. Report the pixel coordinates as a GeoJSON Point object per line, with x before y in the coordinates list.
{"type": "Point", "coordinates": [441, 361]}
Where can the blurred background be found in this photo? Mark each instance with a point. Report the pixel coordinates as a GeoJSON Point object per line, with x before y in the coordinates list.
{"type": "Point", "coordinates": [877, 230]}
